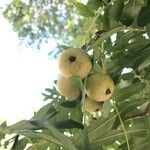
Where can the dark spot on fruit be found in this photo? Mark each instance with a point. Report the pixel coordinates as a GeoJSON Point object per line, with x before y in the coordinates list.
{"type": "Point", "coordinates": [97, 110]}
{"type": "Point", "coordinates": [72, 58]}
{"type": "Point", "coordinates": [108, 91]}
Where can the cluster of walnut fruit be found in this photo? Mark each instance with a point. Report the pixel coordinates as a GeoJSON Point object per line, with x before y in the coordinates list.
{"type": "Point", "coordinates": [99, 86]}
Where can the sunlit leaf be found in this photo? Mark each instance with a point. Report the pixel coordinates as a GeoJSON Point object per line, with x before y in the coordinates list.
{"type": "Point", "coordinates": [84, 10]}
{"type": "Point", "coordinates": [76, 81]}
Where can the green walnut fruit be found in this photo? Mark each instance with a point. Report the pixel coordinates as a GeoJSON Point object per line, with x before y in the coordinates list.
{"type": "Point", "coordinates": [75, 62]}
{"type": "Point", "coordinates": [91, 105]}
{"type": "Point", "coordinates": [99, 86]}
{"type": "Point", "coordinates": [67, 89]}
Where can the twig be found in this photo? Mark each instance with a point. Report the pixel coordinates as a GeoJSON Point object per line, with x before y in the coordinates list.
{"type": "Point", "coordinates": [140, 115]}
{"type": "Point", "coordinates": [8, 141]}
{"type": "Point", "coordinates": [123, 127]}
{"type": "Point", "coordinates": [92, 24]}
{"type": "Point", "coordinates": [94, 38]}
{"type": "Point", "coordinates": [15, 142]}
{"type": "Point", "coordinates": [83, 100]}
{"type": "Point", "coordinates": [30, 141]}
{"type": "Point", "coordinates": [103, 58]}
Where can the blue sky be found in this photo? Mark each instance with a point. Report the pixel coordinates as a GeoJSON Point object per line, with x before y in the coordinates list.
{"type": "Point", "coordinates": [24, 74]}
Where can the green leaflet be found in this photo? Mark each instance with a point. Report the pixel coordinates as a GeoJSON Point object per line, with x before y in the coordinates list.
{"type": "Point", "coordinates": [66, 142]}
{"type": "Point", "coordinates": [112, 136]}
{"type": "Point", "coordinates": [106, 35]}
{"type": "Point", "coordinates": [143, 17]}
{"type": "Point", "coordinates": [42, 124]}
{"type": "Point", "coordinates": [124, 93]}
{"type": "Point", "coordinates": [127, 76]}
{"type": "Point", "coordinates": [38, 135]}
{"type": "Point", "coordinates": [67, 124]}
{"type": "Point", "coordinates": [76, 81]}
{"type": "Point", "coordinates": [70, 104]}
{"type": "Point", "coordinates": [46, 112]}
{"type": "Point", "coordinates": [97, 128]}
{"type": "Point", "coordinates": [138, 128]}
{"type": "Point", "coordinates": [2, 134]}
{"type": "Point", "coordinates": [141, 143]}
{"type": "Point", "coordinates": [106, 109]}
{"type": "Point", "coordinates": [115, 12]}
{"type": "Point", "coordinates": [84, 10]}
{"type": "Point", "coordinates": [144, 64]}
{"type": "Point", "coordinates": [21, 144]}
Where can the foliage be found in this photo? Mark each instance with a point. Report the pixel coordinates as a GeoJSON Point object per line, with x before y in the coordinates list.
{"type": "Point", "coordinates": [36, 22]}
{"type": "Point", "coordinates": [118, 36]}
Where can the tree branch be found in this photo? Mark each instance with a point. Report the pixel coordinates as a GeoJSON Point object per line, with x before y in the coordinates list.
{"type": "Point", "coordinates": [15, 142]}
